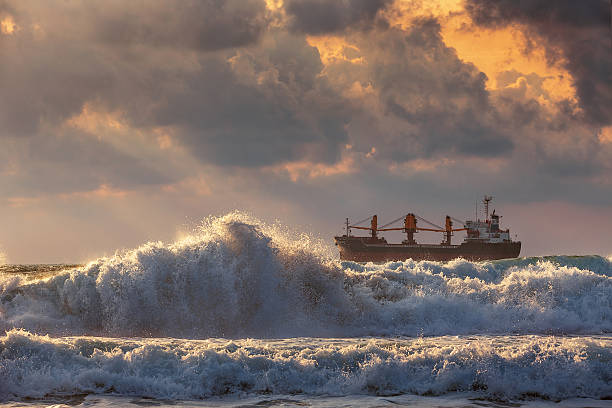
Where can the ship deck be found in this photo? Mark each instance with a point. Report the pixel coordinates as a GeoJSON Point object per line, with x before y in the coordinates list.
{"type": "Point", "coordinates": [410, 245]}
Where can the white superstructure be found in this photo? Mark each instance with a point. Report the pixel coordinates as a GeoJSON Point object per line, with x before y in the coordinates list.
{"type": "Point", "coordinates": [487, 230]}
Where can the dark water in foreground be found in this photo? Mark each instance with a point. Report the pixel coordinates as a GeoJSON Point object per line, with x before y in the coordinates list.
{"type": "Point", "coordinates": [241, 314]}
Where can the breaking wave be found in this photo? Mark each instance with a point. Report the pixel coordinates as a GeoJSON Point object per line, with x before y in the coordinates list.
{"type": "Point", "coordinates": [237, 277]}
{"type": "Point", "coordinates": [506, 367]}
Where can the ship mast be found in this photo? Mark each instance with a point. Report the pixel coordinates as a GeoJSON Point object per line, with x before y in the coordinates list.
{"type": "Point", "coordinates": [485, 201]}
{"type": "Point", "coordinates": [485, 240]}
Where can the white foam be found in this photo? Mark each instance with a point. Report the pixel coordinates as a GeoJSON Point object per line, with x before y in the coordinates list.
{"type": "Point", "coordinates": [503, 367]}
{"type": "Point", "coordinates": [236, 277]}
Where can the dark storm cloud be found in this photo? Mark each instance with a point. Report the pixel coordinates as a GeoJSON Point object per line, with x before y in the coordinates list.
{"type": "Point", "coordinates": [199, 107]}
{"type": "Point", "coordinates": [200, 24]}
{"type": "Point", "coordinates": [64, 54]}
{"type": "Point", "coordinates": [199, 69]}
{"type": "Point", "coordinates": [259, 109]}
{"type": "Point", "coordinates": [237, 93]}
{"type": "Point", "coordinates": [327, 16]}
{"type": "Point", "coordinates": [552, 143]}
{"type": "Point", "coordinates": [443, 131]}
{"type": "Point", "coordinates": [47, 82]}
{"type": "Point", "coordinates": [5, 7]}
{"type": "Point", "coordinates": [255, 106]}
{"type": "Point", "coordinates": [441, 102]}
{"type": "Point", "coordinates": [577, 34]}
{"type": "Point", "coordinates": [47, 164]}
{"type": "Point", "coordinates": [433, 105]}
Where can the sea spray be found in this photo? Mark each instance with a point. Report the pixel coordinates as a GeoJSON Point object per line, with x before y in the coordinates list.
{"type": "Point", "coordinates": [495, 367]}
{"type": "Point", "coordinates": [237, 277]}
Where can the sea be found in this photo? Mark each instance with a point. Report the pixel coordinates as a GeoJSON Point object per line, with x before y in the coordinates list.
{"type": "Point", "coordinates": [239, 313]}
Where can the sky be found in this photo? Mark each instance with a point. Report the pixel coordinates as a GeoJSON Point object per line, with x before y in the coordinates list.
{"type": "Point", "coordinates": [126, 122]}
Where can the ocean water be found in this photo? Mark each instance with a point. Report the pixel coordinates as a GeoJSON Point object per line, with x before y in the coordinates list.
{"type": "Point", "coordinates": [240, 313]}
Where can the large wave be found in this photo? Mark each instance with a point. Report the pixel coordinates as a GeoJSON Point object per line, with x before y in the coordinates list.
{"type": "Point", "coordinates": [237, 277]}
{"type": "Point", "coordinates": [505, 367]}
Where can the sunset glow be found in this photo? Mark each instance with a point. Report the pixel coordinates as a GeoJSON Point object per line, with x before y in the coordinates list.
{"type": "Point", "coordinates": [305, 203]}
{"type": "Point", "coordinates": [7, 25]}
{"type": "Point", "coordinates": [283, 108]}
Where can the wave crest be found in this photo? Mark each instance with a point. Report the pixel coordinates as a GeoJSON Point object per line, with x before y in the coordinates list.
{"type": "Point", "coordinates": [504, 367]}
{"type": "Point", "coordinates": [237, 277]}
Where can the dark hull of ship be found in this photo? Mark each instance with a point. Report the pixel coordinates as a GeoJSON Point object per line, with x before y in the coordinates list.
{"type": "Point", "coordinates": [366, 249]}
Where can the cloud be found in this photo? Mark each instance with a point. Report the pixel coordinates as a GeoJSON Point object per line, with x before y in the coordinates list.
{"type": "Point", "coordinates": [419, 100]}
{"type": "Point", "coordinates": [425, 101]}
{"type": "Point", "coordinates": [66, 54]}
{"type": "Point", "coordinates": [261, 98]}
{"type": "Point", "coordinates": [118, 113]}
{"type": "Point", "coordinates": [52, 164]}
{"type": "Point", "coordinates": [328, 16]}
{"type": "Point", "coordinates": [205, 25]}
{"type": "Point", "coordinates": [199, 69]}
{"type": "Point", "coordinates": [577, 35]}
{"type": "Point", "coordinates": [258, 107]}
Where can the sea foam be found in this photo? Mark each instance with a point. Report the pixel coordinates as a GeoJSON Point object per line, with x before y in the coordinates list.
{"type": "Point", "coordinates": [236, 277]}
{"type": "Point", "coordinates": [503, 367]}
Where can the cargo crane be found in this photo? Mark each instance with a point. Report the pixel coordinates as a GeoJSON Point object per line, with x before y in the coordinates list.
{"type": "Point", "coordinates": [485, 240]}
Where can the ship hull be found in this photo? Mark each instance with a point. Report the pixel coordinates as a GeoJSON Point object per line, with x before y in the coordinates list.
{"type": "Point", "coordinates": [365, 249]}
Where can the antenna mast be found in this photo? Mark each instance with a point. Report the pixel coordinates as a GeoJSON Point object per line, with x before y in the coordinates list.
{"type": "Point", "coordinates": [486, 200]}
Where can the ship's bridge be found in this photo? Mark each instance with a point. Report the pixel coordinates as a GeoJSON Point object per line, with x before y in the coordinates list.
{"type": "Point", "coordinates": [486, 231]}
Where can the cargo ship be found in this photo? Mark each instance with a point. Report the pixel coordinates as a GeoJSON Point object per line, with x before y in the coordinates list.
{"type": "Point", "coordinates": [485, 240]}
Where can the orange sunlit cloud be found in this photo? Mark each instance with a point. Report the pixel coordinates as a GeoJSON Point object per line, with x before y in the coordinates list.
{"type": "Point", "coordinates": [101, 192]}
{"type": "Point", "coordinates": [8, 25]}
{"type": "Point", "coordinates": [94, 121]}
{"type": "Point", "coordinates": [114, 128]}
{"type": "Point", "coordinates": [300, 170]}
{"type": "Point", "coordinates": [18, 202]}
{"type": "Point", "coordinates": [492, 51]}
{"type": "Point", "coordinates": [274, 5]}
{"type": "Point", "coordinates": [491, 165]}
{"type": "Point", "coordinates": [605, 136]}
{"type": "Point", "coordinates": [499, 50]}
{"type": "Point", "coordinates": [232, 107]}
{"type": "Point", "coordinates": [334, 48]}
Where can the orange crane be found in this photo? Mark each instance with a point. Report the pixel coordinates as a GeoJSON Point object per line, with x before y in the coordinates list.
{"type": "Point", "coordinates": [373, 226]}
{"type": "Point", "coordinates": [410, 227]}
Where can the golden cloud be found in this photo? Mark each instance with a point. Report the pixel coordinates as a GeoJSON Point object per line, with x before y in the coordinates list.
{"type": "Point", "coordinates": [492, 51]}
{"type": "Point", "coordinates": [8, 25]}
